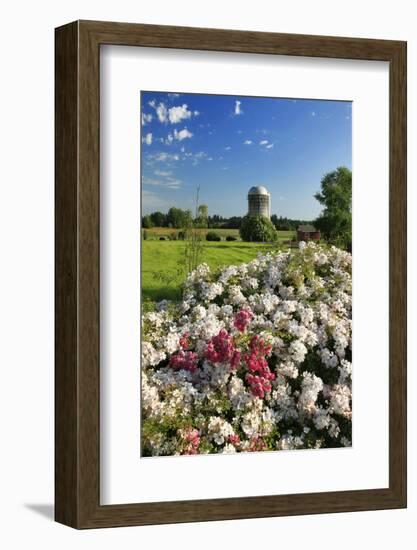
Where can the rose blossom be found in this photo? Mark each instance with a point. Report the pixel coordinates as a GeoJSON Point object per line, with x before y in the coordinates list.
{"type": "Point", "coordinates": [186, 360]}
{"type": "Point", "coordinates": [242, 319]}
{"type": "Point", "coordinates": [185, 340]}
{"type": "Point", "coordinates": [192, 439]}
{"type": "Point", "coordinates": [221, 349]}
{"type": "Point", "coordinates": [259, 375]}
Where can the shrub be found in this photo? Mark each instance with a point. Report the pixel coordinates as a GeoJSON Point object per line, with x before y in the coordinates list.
{"type": "Point", "coordinates": [257, 229]}
{"type": "Point", "coordinates": [216, 380]}
{"type": "Point", "coordinates": [145, 235]}
{"type": "Point", "coordinates": [231, 238]}
{"type": "Point", "coordinates": [212, 236]}
{"type": "Point", "coordinates": [182, 235]}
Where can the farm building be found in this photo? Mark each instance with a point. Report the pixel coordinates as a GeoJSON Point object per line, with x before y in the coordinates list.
{"type": "Point", "coordinates": [308, 233]}
{"type": "Point", "coordinates": [259, 202]}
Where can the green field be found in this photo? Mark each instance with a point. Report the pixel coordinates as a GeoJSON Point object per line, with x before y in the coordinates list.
{"type": "Point", "coordinates": [160, 277]}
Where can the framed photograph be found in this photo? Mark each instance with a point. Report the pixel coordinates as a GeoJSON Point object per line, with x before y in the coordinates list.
{"type": "Point", "coordinates": [230, 274]}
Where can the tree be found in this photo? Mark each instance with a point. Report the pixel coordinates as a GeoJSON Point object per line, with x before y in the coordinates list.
{"type": "Point", "coordinates": [287, 224]}
{"type": "Point", "coordinates": [174, 217]}
{"type": "Point", "coordinates": [257, 229]}
{"type": "Point", "coordinates": [178, 218]}
{"type": "Point", "coordinates": [215, 221]}
{"type": "Point", "coordinates": [147, 222]}
{"type": "Point", "coordinates": [233, 223]}
{"type": "Point", "coordinates": [335, 221]}
{"type": "Point", "coordinates": [158, 219]}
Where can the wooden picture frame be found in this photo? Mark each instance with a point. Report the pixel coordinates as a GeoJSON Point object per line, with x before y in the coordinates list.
{"type": "Point", "coordinates": [77, 374]}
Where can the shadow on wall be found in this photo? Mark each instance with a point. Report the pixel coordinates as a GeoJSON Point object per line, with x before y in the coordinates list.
{"type": "Point", "coordinates": [45, 510]}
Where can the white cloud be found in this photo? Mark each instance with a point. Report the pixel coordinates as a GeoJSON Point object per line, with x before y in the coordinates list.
{"type": "Point", "coordinates": [173, 183]}
{"type": "Point", "coordinates": [151, 201]}
{"type": "Point", "coordinates": [162, 173]}
{"type": "Point", "coordinates": [227, 148]}
{"type": "Point", "coordinates": [168, 182]}
{"type": "Point", "coordinates": [313, 113]}
{"type": "Point", "coordinates": [162, 113]}
{"type": "Point", "coordinates": [152, 103]}
{"type": "Point", "coordinates": [238, 110]}
{"type": "Point", "coordinates": [182, 134]}
{"type": "Point", "coordinates": [247, 142]}
{"type": "Point", "coordinates": [147, 139]}
{"type": "Point", "coordinates": [172, 115]}
{"type": "Point", "coordinates": [163, 157]}
{"type": "Point", "coordinates": [265, 143]}
{"type": "Point", "coordinates": [200, 155]}
{"type": "Point", "coordinates": [196, 157]}
{"type": "Point", "coordinates": [176, 114]}
{"type": "Point", "coordinates": [169, 139]}
{"type": "Point", "coordinates": [146, 118]}
{"type": "Point", "coordinates": [150, 181]}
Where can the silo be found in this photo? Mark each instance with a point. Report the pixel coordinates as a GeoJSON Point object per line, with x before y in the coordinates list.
{"type": "Point", "coordinates": [259, 202]}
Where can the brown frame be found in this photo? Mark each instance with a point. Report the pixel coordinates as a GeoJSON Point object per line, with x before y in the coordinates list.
{"type": "Point", "coordinates": [77, 362]}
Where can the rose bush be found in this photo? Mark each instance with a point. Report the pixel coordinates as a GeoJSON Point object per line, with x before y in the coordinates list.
{"type": "Point", "coordinates": [255, 357]}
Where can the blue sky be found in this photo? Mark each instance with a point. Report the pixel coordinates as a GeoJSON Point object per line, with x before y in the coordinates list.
{"type": "Point", "coordinates": [227, 144]}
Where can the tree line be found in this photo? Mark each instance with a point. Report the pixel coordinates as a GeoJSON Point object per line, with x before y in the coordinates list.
{"type": "Point", "coordinates": [178, 218]}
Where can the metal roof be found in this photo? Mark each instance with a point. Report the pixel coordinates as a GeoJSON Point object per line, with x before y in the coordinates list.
{"type": "Point", "coordinates": [307, 228]}
{"type": "Point", "coordinates": [258, 190]}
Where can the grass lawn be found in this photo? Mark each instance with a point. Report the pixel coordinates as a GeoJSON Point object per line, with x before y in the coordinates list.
{"type": "Point", "coordinates": [161, 257]}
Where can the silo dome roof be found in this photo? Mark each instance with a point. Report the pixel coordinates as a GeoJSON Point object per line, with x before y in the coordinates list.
{"type": "Point", "coordinates": [258, 190]}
